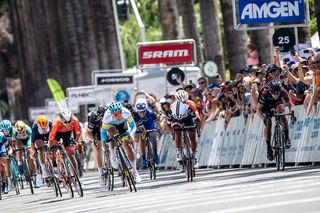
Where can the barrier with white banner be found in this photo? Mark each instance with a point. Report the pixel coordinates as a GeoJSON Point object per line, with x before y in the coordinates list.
{"type": "Point", "coordinates": [243, 144]}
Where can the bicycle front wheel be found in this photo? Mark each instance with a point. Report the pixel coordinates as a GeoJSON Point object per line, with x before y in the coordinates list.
{"type": "Point", "coordinates": [127, 175]}
{"type": "Point", "coordinates": [14, 176]}
{"type": "Point", "coordinates": [75, 178]}
{"type": "Point", "coordinates": [28, 175]}
{"type": "Point", "coordinates": [64, 173]}
{"type": "Point", "coordinates": [151, 164]}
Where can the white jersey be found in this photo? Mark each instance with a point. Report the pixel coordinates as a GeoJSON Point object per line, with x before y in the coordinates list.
{"type": "Point", "coordinates": [109, 120]}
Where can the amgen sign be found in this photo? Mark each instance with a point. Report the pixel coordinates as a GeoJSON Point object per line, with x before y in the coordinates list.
{"type": "Point", "coordinates": [266, 11]}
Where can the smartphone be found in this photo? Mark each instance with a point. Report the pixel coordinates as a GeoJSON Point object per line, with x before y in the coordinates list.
{"type": "Point", "coordinates": [293, 52]}
{"type": "Point", "coordinates": [306, 51]}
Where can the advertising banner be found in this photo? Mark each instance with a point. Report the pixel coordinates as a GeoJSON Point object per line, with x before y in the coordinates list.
{"type": "Point", "coordinates": [266, 11]}
{"type": "Point", "coordinates": [179, 52]}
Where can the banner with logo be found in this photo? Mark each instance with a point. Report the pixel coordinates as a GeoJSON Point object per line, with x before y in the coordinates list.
{"type": "Point", "coordinates": [266, 11]}
{"type": "Point", "coordinates": [175, 52]}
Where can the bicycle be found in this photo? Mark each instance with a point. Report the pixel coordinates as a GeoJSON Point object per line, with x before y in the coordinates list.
{"type": "Point", "coordinates": [52, 180]}
{"type": "Point", "coordinates": [188, 161]}
{"type": "Point", "coordinates": [14, 174]}
{"type": "Point", "coordinates": [26, 169]}
{"type": "Point", "coordinates": [108, 169]}
{"type": "Point", "coordinates": [150, 153]}
{"type": "Point", "coordinates": [278, 142]}
{"type": "Point", "coordinates": [124, 163]}
{"type": "Point", "coordinates": [67, 171]}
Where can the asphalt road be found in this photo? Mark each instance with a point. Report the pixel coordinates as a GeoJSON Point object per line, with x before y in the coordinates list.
{"type": "Point", "coordinates": [225, 190]}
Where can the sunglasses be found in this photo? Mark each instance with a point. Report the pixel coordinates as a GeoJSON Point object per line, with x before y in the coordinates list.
{"type": "Point", "coordinates": [202, 82]}
{"type": "Point", "coordinates": [115, 114]}
{"type": "Point", "coordinates": [316, 63]}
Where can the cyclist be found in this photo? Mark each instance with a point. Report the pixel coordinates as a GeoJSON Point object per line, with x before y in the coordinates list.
{"type": "Point", "coordinates": [94, 135]}
{"type": "Point", "coordinates": [149, 121]}
{"type": "Point", "coordinates": [3, 160]}
{"type": "Point", "coordinates": [22, 136]}
{"type": "Point", "coordinates": [62, 128]}
{"type": "Point", "coordinates": [6, 128]}
{"type": "Point", "coordinates": [273, 96]}
{"type": "Point", "coordinates": [118, 118]}
{"type": "Point", "coordinates": [180, 115]}
{"type": "Point", "coordinates": [40, 134]}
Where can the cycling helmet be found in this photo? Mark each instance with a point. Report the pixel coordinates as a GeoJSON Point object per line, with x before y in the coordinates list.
{"type": "Point", "coordinates": [272, 68]}
{"type": "Point", "coordinates": [275, 87]}
{"type": "Point", "coordinates": [1, 137]}
{"type": "Point", "coordinates": [141, 105]}
{"type": "Point", "coordinates": [42, 121]}
{"type": "Point", "coordinates": [20, 126]}
{"type": "Point", "coordinates": [182, 95]}
{"type": "Point", "coordinates": [115, 106]}
{"type": "Point", "coordinates": [5, 125]}
{"type": "Point", "coordinates": [179, 110]}
{"type": "Point", "coordinates": [101, 110]}
{"type": "Point", "coordinates": [66, 114]}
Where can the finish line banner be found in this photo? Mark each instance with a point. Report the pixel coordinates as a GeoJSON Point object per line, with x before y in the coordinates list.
{"type": "Point", "coordinates": [266, 11]}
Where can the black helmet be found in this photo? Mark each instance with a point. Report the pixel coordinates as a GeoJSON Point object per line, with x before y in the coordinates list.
{"type": "Point", "coordinates": [101, 110]}
{"type": "Point", "coordinates": [272, 68]}
{"type": "Point", "coordinates": [275, 87]}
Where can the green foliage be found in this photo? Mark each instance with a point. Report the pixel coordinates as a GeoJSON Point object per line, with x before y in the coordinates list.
{"type": "Point", "coordinates": [4, 107]}
{"type": "Point", "coordinates": [313, 21]}
{"type": "Point", "coordinates": [130, 31]}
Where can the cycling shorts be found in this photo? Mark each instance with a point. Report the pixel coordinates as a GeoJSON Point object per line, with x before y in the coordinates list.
{"type": "Point", "coordinates": [66, 138]}
{"type": "Point", "coordinates": [186, 122]}
{"type": "Point", "coordinates": [96, 133]}
{"type": "Point", "coordinates": [25, 142]}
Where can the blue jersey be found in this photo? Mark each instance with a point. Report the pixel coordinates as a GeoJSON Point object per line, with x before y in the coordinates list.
{"type": "Point", "coordinates": [148, 121]}
{"type": "Point", "coordinates": [38, 133]}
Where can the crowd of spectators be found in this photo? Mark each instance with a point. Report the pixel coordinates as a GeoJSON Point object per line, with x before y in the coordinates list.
{"type": "Point", "coordinates": [300, 78]}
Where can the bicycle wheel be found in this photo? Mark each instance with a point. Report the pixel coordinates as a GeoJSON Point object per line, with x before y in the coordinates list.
{"type": "Point", "coordinates": [277, 143]}
{"type": "Point", "coordinates": [14, 176]}
{"type": "Point", "coordinates": [151, 164]}
{"type": "Point", "coordinates": [75, 178]}
{"type": "Point", "coordinates": [282, 149]}
{"type": "Point", "coordinates": [78, 158]}
{"type": "Point", "coordinates": [54, 181]}
{"type": "Point", "coordinates": [127, 175]}
{"type": "Point", "coordinates": [66, 181]}
{"type": "Point", "coordinates": [109, 175]}
{"type": "Point", "coordinates": [28, 175]}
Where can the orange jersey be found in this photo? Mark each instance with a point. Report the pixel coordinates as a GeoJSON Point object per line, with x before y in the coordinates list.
{"type": "Point", "coordinates": [193, 106]}
{"type": "Point", "coordinates": [59, 126]}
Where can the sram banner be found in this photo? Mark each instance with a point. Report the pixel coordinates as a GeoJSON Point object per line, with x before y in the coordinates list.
{"type": "Point", "coordinates": [266, 11]}
{"type": "Point", "coordinates": [175, 52]}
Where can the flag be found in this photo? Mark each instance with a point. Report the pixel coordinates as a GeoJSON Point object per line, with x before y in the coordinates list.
{"type": "Point", "coordinates": [57, 93]}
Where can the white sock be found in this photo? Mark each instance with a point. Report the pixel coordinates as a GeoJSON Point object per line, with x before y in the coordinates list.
{"type": "Point", "coordinates": [100, 170]}
{"type": "Point", "coordinates": [134, 167]}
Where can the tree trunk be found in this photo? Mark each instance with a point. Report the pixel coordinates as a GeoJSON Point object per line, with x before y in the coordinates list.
{"type": "Point", "coordinates": [168, 19]}
{"type": "Point", "coordinates": [190, 26]}
{"type": "Point", "coordinates": [317, 9]}
{"type": "Point", "coordinates": [63, 39]}
{"type": "Point", "coordinates": [213, 50]}
{"type": "Point", "coordinates": [236, 40]}
{"type": "Point", "coordinates": [260, 38]}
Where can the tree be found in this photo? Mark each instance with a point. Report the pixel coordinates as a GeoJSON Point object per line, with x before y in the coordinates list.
{"type": "Point", "coordinates": [212, 35]}
{"type": "Point", "coordinates": [236, 40]}
{"type": "Point", "coordinates": [63, 39]}
{"type": "Point", "coordinates": [168, 19]}
{"type": "Point", "coordinates": [190, 28]}
{"type": "Point", "coordinates": [317, 9]}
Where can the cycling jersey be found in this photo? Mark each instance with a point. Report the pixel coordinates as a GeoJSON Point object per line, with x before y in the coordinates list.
{"type": "Point", "coordinates": [24, 138]}
{"type": "Point", "coordinates": [267, 100]}
{"type": "Point", "coordinates": [3, 150]}
{"type": "Point", "coordinates": [95, 123]}
{"type": "Point", "coordinates": [120, 125]}
{"type": "Point", "coordinates": [193, 106]}
{"type": "Point", "coordinates": [148, 121]}
{"type": "Point", "coordinates": [40, 134]}
{"type": "Point", "coordinates": [189, 115]}
{"type": "Point", "coordinates": [61, 131]}
{"type": "Point", "coordinates": [132, 111]}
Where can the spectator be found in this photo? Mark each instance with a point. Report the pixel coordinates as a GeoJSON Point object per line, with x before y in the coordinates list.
{"type": "Point", "coordinates": [252, 55]}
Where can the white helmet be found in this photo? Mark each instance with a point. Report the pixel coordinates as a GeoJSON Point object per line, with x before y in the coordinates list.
{"type": "Point", "coordinates": [66, 114]}
{"type": "Point", "coordinates": [179, 110]}
{"type": "Point", "coordinates": [182, 95]}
